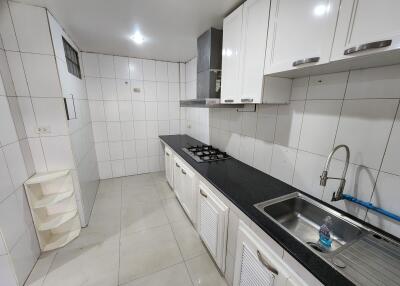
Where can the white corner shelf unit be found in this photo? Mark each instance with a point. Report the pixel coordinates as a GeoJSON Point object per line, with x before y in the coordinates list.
{"type": "Point", "coordinates": [51, 197]}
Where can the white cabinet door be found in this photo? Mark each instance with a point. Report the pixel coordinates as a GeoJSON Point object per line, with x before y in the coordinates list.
{"type": "Point", "coordinates": [254, 41]}
{"type": "Point", "coordinates": [212, 224]}
{"type": "Point", "coordinates": [300, 33]}
{"type": "Point", "coordinates": [169, 166]}
{"type": "Point", "coordinates": [188, 191]}
{"type": "Point", "coordinates": [366, 27]}
{"type": "Point", "coordinates": [177, 177]}
{"type": "Point", "coordinates": [257, 264]}
{"type": "Point", "coordinates": [231, 42]}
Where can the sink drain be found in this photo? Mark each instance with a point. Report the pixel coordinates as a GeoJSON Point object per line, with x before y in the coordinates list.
{"type": "Point", "coordinates": [317, 247]}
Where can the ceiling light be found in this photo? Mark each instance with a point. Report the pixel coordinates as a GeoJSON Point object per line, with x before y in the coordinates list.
{"type": "Point", "coordinates": [137, 38]}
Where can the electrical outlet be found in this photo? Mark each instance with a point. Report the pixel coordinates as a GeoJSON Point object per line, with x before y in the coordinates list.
{"type": "Point", "coordinates": [42, 130]}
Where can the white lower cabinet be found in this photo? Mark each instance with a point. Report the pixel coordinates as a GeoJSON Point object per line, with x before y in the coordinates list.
{"type": "Point", "coordinates": [185, 187]}
{"type": "Point", "coordinates": [213, 224]}
{"type": "Point", "coordinates": [257, 263]}
{"type": "Point", "coordinates": [169, 166]}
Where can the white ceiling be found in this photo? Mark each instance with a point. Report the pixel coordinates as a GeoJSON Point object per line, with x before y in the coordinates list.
{"type": "Point", "coordinates": [170, 26]}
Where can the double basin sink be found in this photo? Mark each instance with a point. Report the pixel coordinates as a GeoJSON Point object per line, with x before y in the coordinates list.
{"type": "Point", "coordinates": [356, 251]}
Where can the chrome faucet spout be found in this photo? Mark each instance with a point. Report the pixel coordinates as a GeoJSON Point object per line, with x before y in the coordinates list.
{"type": "Point", "coordinates": [324, 177]}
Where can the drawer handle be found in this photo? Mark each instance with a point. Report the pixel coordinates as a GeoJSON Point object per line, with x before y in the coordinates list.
{"type": "Point", "coordinates": [183, 171]}
{"type": "Point", "coordinates": [266, 264]}
{"type": "Point", "coordinates": [176, 164]}
{"type": "Point", "coordinates": [305, 61]}
{"type": "Point", "coordinates": [368, 46]}
{"type": "Point", "coordinates": [228, 100]}
{"type": "Point", "coordinates": [246, 100]}
{"type": "Point", "coordinates": [203, 193]}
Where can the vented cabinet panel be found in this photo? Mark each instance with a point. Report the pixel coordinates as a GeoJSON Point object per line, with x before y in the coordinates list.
{"type": "Point", "coordinates": [209, 225]}
{"type": "Point", "coordinates": [252, 272]}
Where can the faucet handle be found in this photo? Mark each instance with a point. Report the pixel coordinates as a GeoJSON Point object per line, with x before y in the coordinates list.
{"type": "Point", "coordinates": [323, 178]}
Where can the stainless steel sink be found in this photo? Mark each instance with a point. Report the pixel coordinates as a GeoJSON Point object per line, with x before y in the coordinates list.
{"type": "Point", "coordinates": [365, 257]}
{"type": "Point", "coordinates": [302, 217]}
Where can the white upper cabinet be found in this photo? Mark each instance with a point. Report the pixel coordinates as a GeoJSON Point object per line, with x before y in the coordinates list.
{"type": "Point", "coordinates": [300, 33]}
{"type": "Point", "coordinates": [366, 27]}
{"type": "Point", "coordinates": [254, 41]}
{"type": "Point", "coordinates": [231, 39]}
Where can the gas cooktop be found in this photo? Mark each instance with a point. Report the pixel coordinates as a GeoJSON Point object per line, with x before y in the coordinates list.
{"type": "Point", "coordinates": [205, 153]}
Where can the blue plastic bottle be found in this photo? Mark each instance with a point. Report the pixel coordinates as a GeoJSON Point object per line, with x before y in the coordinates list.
{"type": "Point", "coordinates": [325, 233]}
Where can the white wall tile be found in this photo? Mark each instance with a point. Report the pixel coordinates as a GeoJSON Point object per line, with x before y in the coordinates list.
{"type": "Point", "coordinates": [153, 147]}
{"type": "Point", "coordinates": [114, 131]}
{"type": "Point", "coordinates": [118, 168]}
{"type": "Point", "coordinates": [173, 110]}
{"type": "Point", "coordinates": [164, 127]}
{"type": "Point", "coordinates": [11, 220]}
{"type": "Point", "coordinates": [58, 153]}
{"type": "Point", "coordinates": [123, 89]}
{"type": "Point", "coordinates": [266, 122]}
{"type": "Point", "coordinates": [392, 155]}
{"type": "Point", "coordinates": [18, 73]}
{"type": "Point", "coordinates": [15, 163]}
{"type": "Point", "coordinates": [135, 69]}
{"type": "Point", "coordinates": [381, 82]}
{"type": "Point", "coordinates": [116, 151]}
{"type": "Point", "coordinates": [91, 64]}
{"type": "Point", "coordinates": [282, 163]}
{"type": "Point", "coordinates": [141, 148]}
{"type": "Point", "coordinates": [7, 32]}
{"type": "Point", "coordinates": [299, 88]}
{"type": "Point", "coordinates": [306, 173]}
{"type": "Point", "coordinates": [319, 128]}
{"type": "Point", "coordinates": [32, 28]}
{"type": "Point", "coordinates": [102, 151]}
{"type": "Point", "coordinates": [6, 185]}
{"type": "Point", "coordinates": [173, 91]}
{"type": "Point", "coordinates": [149, 70]}
{"type": "Point", "coordinates": [364, 126]}
{"type": "Point", "coordinates": [93, 87]}
{"type": "Point", "coordinates": [161, 71]}
{"type": "Point", "coordinates": [106, 65]}
{"type": "Point", "coordinates": [262, 155]}
{"type": "Point", "coordinates": [163, 111]}
{"type": "Point", "coordinates": [125, 110]}
{"type": "Point", "coordinates": [128, 130]}
{"type": "Point", "coordinates": [111, 110]}
{"type": "Point", "coordinates": [386, 196]}
{"type": "Point", "coordinates": [140, 129]}
{"type": "Point", "coordinates": [97, 110]}
{"type": "Point", "coordinates": [142, 165]}
{"type": "Point", "coordinates": [139, 110]}
{"type": "Point", "coordinates": [39, 160]}
{"type": "Point", "coordinates": [41, 74]}
{"type": "Point", "coordinates": [105, 171]}
{"type": "Point", "coordinates": [249, 124]}
{"type": "Point", "coordinates": [129, 148]}
{"type": "Point", "coordinates": [288, 124]}
{"type": "Point", "coordinates": [150, 91]}
{"type": "Point", "coordinates": [246, 151]}
{"type": "Point", "coordinates": [328, 86]}
{"type": "Point", "coordinates": [173, 72]}
{"type": "Point", "coordinates": [162, 91]}
{"type": "Point", "coordinates": [151, 110]}
{"type": "Point", "coordinates": [131, 166]}
{"type": "Point", "coordinates": [7, 272]}
{"type": "Point", "coordinates": [7, 128]}
{"type": "Point", "coordinates": [152, 129]}
{"type": "Point", "coordinates": [109, 89]}
{"type": "Point", "coordinates": [121, 67]}
{"type": "Point", "coordinates": [50, 113]}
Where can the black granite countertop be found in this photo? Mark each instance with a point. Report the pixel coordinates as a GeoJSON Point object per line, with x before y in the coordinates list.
{"type": "Point", "coordinates": [244, 186]}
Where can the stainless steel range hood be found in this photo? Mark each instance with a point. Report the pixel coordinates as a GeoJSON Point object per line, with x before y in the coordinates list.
{"type": "Point", "coordinates": [209, 59]}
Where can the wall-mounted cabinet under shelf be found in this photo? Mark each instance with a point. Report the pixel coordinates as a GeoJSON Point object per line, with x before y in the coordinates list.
{"type": "Point", "coordinates": [54, 209]}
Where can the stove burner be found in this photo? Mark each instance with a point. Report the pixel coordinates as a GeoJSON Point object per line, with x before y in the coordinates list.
{"type": "Point", "coordinates": [205, 153]}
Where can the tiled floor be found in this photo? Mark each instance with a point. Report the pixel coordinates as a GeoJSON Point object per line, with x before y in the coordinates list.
{"type": "Point", "coordinates": [138, 235]}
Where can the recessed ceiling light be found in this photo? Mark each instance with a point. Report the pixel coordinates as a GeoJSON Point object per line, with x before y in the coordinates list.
{"type": "Point", "coordinates": [137, 38]}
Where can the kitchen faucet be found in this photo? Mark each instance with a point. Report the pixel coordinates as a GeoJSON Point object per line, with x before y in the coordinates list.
{"type": "Point", "coordinates": [324, 177]}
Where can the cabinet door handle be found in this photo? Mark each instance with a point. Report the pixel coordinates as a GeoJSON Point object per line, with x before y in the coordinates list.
{"type": "Point", "coordinates": [266, 264]}
{"type": "Point", "coordinates": [305, 61]}
{"type": "Point", "coordinates": [176, 164]}
{"type": "Point", "coordinates": [203, 193]}
{"type": "Point", "coordinates": [183, 171]}
{"type": "Point", "coordinates": [246, 100]}
{"type": "Point", "coordinates": [228, 100]}
{"type": "Point", "coordinates": [368, 46]}
{"type": "Point", "coordinates": [167, 154]}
